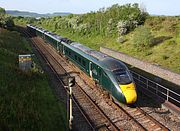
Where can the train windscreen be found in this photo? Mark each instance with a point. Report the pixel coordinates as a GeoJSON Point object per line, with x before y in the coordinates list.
{"type": "Point", "coordinates": [123, 77]}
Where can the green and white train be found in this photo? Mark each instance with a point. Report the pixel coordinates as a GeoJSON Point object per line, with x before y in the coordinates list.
{"type": "Point", "coordinates": [108, 72]}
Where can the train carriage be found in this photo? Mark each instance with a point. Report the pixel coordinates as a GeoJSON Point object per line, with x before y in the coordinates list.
{"type": "Point", "coordinates": [95, 65]}
{"type": "Point", "coordinates": [110, 73]}
{"type": "Point", "coordinates": [40, 32]}
{"type": "Point", "coordinates": [31, 29]}
{"type": "Point", "coordinates": [49, 37]}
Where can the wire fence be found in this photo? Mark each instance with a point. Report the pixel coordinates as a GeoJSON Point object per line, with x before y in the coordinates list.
{"type": "Point", "coordinates": [157, 89]}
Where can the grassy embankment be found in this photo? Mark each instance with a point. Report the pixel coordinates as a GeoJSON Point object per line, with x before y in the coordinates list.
{"type": "Point", "coordinates": [166, 33]}
{"type": "Point", "coordinates": [26, 99]}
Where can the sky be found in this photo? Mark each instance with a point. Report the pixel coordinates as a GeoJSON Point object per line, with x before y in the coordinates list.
{"type": "Point", "coordinates": [155, 7]}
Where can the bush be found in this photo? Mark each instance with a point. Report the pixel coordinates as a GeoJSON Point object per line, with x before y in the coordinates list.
{"type": "Point", "coordinates": [142, 38]}
{"type": "Point", "coordinates": [121, 39]}
{"type": "Point", "coordinates": [164, 57]}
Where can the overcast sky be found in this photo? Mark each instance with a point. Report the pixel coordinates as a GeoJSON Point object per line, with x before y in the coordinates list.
{"type": "Point", "coordinates": [157, 7]}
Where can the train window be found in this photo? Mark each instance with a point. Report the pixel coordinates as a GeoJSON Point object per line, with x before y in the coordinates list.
{"type": "Point", "coordinates": [90, 66]}
{"type": "Point", "coordinates": [70, 53]}
{"type": "Point", "coordinates": [84, 63]}
{"type": "Point", "coordinates": [79, 59]}
{"type": "Point", "coordinates": [100, 72]}
{"type": "Point", "coordinates": [75, 57]}
{"type": "Point", "coordinates": [105, 74]}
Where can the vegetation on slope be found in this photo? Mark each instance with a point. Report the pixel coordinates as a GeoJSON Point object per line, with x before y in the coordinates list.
{"type": "Point", "coordinates": [5, 20]}
{"type": "Point", "coordinates": [27, 101]}
{"type": "Point", "coordinates": [110, 22]}
{"type": "Point", "coordinates": [125, 28]}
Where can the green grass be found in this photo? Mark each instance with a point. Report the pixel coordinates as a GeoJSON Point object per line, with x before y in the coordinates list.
{"type": "Point", "coordinates": [165, 52]}
{"type": "Point", "coordinates": [26, 99]}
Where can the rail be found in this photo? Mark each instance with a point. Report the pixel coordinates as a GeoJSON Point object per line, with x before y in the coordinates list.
{"type": "Point", "coordinates": [157, 89]}
{"type": "Point", "coordinates": [109, 123]}
{"type": "Point", "coordinates": [59, 79]}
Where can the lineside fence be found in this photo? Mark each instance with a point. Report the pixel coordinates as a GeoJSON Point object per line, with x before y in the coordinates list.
{"type": "Point", "coordinates": [157, 89]}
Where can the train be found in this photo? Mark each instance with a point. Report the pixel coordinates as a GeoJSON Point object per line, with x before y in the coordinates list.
{"type": "Point", "coordinates": [111, 74]}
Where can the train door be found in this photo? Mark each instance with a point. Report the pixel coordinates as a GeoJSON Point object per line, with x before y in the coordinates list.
{"type": "Point", "coordinates": [57, 46]}
{"type": "Point", "coordinates": [60, 48]}
{"type": "Point", "coordinates": [95, 72]}
{"type": "Point", "coordinates": [63, 50]}
{"type": "Point", "coordinates": [90, 69]}
{"type": "Point", "coordinates": [106, 82]}
{"type": "Point", "coordinates": [100, 75]}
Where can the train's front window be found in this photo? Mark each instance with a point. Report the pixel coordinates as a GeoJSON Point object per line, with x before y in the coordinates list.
{"type": "Point", "coordinates": [123, 77]}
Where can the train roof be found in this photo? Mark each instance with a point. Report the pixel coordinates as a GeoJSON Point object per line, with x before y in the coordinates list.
{"type": "Point", "coordinates": [41, 30]}
{"type": "Point", "coordinates": [104, 60]}
{"type": "Point", "coordinates": [66, 40]}
{"type": "Point", "coordinates": [114, 64]}
{"type": "Point", "coordinates": [53, 36]}
{"type": "Point", "coordinates": [96, 54]}
{"type": "Point", "coordinates": [33, 27]}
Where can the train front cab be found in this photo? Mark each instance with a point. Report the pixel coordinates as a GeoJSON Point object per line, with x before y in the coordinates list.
{"type": "Point", "coordinates": [110, 84]}
{"type": "Point", "coordinates": [31, 29]}
{"type": "Point", "coordinates": [119, 81]}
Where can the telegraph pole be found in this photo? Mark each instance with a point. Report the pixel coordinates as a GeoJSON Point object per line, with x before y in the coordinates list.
{"type": "Point", "coordinates": [71, 83]}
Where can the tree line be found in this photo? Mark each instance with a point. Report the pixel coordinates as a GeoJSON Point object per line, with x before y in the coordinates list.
{"type": "Point", "coordinates": [113, 21]}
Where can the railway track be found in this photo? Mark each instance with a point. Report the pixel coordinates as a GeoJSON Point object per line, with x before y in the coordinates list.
{"type": "Point", "coordinates": [101, 121]}
{"type": "Point", "coordinates": [98, 120]}
{"type": "Point", "coordinates": [143, 119]}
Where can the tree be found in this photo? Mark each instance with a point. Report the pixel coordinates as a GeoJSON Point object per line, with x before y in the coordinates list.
{"type": "Point", "coordinates": [9, 22]}
{"type": "Point", "coordinates": [5, 20]}
{"type": "Point", "coordinates": [114, 21]}
{"type": "Point", "coordinates": [2, 11]}
{"type": "Point", "coordinates": [142, 38]}
{"type": "Point", "coordinates": [2, 16]}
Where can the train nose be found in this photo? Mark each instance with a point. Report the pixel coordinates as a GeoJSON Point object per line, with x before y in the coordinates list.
{"type": "Point", "coordinates": [130, 96]}
{"type": "Point", "coordinates": [129, 92]}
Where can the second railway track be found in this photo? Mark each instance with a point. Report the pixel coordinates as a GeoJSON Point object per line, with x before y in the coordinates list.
{"type": "Point", "coordinates": [97, 115]}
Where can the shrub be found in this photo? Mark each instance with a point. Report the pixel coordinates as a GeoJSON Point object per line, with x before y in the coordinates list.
{"type": "Point", "coordinates": [148, 53]}
{"type": "Point", "coordinates": [164, 57]}
{"type": "Point", "coordinates": [121, 39]}
{"type": "Point", "coordinates": [122, 27]}
{"type": "Point", "coordinates": [142, 38]}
